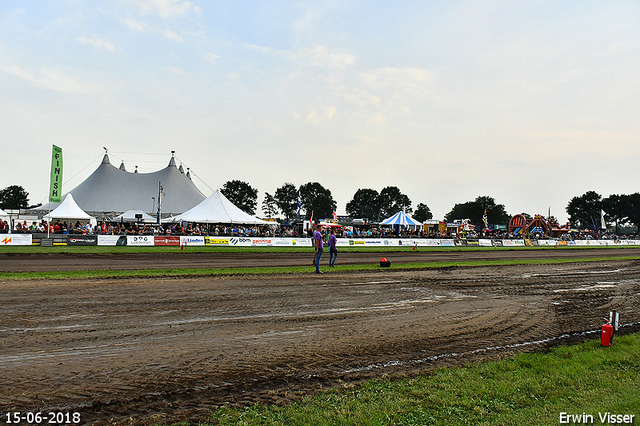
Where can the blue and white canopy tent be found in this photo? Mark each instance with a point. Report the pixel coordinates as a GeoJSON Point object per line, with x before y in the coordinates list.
{"type": "Point", "coordinates": [401, 219]}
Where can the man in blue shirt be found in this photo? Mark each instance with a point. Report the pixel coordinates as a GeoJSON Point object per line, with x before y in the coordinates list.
{"type": "Point", "coordinates": [333, 251]}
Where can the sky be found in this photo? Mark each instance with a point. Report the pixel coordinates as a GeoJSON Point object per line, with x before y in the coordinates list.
{"type": "Point", "coordinates": [529, 102]}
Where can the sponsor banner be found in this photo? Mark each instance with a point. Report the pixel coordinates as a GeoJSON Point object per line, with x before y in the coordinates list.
{"type": "Point", "coordinates": [16, 239]}
{"type": "Point", "coordinates": [409, 243]}
{"type": "Point", "coordinates": [520, 243]}
{"type": "Point", "coordinates": [429, 242]}
{"type": "Point", "coordinates": [472, 243]}
{"type": "Point", "coordinates": [166, 240]}
{"type": "Point", "coordinates": [261, 242]}
{"type": "Point", "coordinates": [497, 243]}
{"type": "Point", "coordinates": [571, 243]}
{"type": "Point", "coordinates": [112, 240]}
{"type": "Point", "coordinates": [508, 243]}
{"type": "Point", "coordinates": [240, 241]}
{"type": "Point", "coordinates": [447, 243]}
{"type": "Point", "coordinates": [82, 240]}
{"type": "Point", "coordinates": [191, 240]}
{"type": "Point", "coordinates": [304, 242]}
{"type": "Point", "coordinates": [460, 243]}
{"type": "Point", "coordinates": [213, 241]}
{"type": "Point", "coordinates": [483, 242]}
{"type": "Point", "coordinates": [140, 240]}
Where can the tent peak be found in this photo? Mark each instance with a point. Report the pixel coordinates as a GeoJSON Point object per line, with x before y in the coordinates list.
{"type": "Point", "coordinates": [172, 162]}
{"type": "Point", "coordinates": [122, 167]}
{"type": "Point", "coordinates": [105, 159]}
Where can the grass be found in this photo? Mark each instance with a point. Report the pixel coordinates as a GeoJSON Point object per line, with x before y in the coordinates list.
{"type": "Point", "coordinates": [225, 249]}
{"type": "Point", "coordinates": [150, 273]}
{"type": "Point", "coordinates": [529, 389]}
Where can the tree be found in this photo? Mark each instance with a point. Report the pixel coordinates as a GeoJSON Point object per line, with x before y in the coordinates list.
{"type": "Point", "coordinates": [584, 211]}
{"type": "Point", "coordinates": [317, 199]}
{"type": "Point", "coordinates": [14, 197]}
{"type": "Point", "coordinates": [616, 209]}
{"type": "Point", "coordinates": [269, 206]}
{"type": "Point", "coordinates": [474, 210]}
{"type": "Point", "coordinates": [632, 209]}
{"type": "Point", "coordinates": [392, 201]}
{"type": "Point", "coordinates": [422, 213]}
{"type": "Point", "coordinates": [364, 204]}
{"type": "Point", "coordinates": [242, 195]}
{"type": "Point", "coordinates": [286, 198]}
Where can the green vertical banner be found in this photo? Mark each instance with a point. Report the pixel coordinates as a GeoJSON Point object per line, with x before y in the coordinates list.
{"type": "Point", "coordinates": [55, 188]}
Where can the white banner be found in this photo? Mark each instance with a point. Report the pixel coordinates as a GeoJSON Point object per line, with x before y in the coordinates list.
{"type": "Point", "coordinates": [16, 239]}
{"type": "Point", "coordinates": [191, 240]}
{"type": "Point", "coordinates": [140, 240]}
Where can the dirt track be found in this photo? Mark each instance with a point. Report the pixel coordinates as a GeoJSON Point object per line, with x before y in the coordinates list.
{"type": "Point", "coordinates": [168, 349]}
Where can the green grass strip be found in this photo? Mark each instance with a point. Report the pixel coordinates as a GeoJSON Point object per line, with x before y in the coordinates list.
{"type": "Point", "coordinates": [529, 389]}
{"type": "Point", "coordinates": [150, 273]}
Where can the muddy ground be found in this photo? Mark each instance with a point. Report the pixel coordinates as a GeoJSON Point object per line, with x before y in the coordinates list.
{"type": "Point", "coordinates": [163, 350]}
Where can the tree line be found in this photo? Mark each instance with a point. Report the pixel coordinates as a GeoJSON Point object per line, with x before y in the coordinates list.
{"type": "Point", "coordinates": [312, 198]}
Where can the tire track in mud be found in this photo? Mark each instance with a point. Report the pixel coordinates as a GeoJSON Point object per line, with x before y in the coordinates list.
{"type": "Point", "coordinates": [113, 349]}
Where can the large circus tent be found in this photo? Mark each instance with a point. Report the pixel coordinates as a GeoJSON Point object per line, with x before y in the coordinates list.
{"type": "Point", "coordinates": [111, 190]}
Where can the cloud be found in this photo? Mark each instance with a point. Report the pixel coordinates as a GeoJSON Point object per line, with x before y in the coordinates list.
{"type": "Point", "coordinates": [47, 78]}
{"type": "Point", "coordinates": [172, 36]}
{"type": "Point", "coordinates": [166, 8]}
{"type": "Point", "coordinates": [136, 25]}
{"type": "Point", "coordinates": [96, 42]}
{"type": "Point", "coordinates": [320, 56]}
{"type": "Point", "coordinates": [211, 56]}
{"type": "Point", "coordinates": [262, 49]}
{"type": "Point", "coordinates": [177, 70]}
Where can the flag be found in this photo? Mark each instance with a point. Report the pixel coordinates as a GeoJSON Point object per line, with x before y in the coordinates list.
{"type": "Point", "coordinates": [335, 216]}
{"type": "Point", "coordinates": [311, 220]}
{"type": "Point", "coordinates": [484, 219]}
{"type": "Point", "coordinates": [299, 203]}
{"type": "Point", "coordinates": [55, 185]}
{"type": "Point", "coordinates": [603, 224]}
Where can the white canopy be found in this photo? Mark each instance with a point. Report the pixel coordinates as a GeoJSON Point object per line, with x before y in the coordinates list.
{"type": "Point", "coordinates": [217, 209]}
{"type": "Point", "coordinates": [130, 216]}
{"type": "Point", "coordinates": [68, 209]}
{"type": "Point", "coordinates": [3, 213]}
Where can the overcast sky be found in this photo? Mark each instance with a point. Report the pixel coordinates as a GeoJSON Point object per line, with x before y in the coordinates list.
{"type": "Point", "coordinates": [529, 102]}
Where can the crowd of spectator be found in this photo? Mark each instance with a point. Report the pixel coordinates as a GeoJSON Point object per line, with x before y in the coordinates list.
{"type": "Point", "coordinates": [275, 230]}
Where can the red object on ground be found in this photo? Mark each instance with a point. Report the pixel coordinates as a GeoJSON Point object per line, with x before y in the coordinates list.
{"type": "Point", "coordinates": [607, 335]}
{"type": "Point", "coordinates": [385, 263]}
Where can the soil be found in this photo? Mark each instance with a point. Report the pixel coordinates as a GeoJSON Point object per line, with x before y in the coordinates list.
{"type": "Point", "coordinates": [163, 350]}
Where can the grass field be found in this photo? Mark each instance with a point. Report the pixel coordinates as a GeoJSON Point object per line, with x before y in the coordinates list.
{"type": "Point", "coordinates": [529, 389]}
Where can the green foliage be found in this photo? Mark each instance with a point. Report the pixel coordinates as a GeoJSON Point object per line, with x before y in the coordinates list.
{"type": "Point", "coordinates": [243, 195]}
{"type": "Point", "coordinates": [14, 197]}
{"type": "Point", "coordinates": [269, 205]}
{"type": "Point", "coordinates": [286, 198]}
{"type": "Point", "coordinates": [317, 199]}
{"type": "Point", "coordinates": [422, 212]}
{"type": "Point", "coordinates": [474, 210]}
{"type": "Point", "coordinates": [391, 201]}
{"type": "Point", "coordinates": [584, 211]}
{"type": "Point", "coordinates": [364, 204]}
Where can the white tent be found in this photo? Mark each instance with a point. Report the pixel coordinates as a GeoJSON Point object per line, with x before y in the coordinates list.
{"type": "Point", "coordinates": [3, 213]}
{"type": "Point", "coordinates": [217, 209]}
{"type": "Point", "coordinates": [68, 209]}
{"type": "Point", "coordinates": [130, 216]}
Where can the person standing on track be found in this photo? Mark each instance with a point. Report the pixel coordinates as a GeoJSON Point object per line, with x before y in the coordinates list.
{"type": "Point", "coordinates": [333, 251]}
{"type": "Point", "coordinates": [318, 243]}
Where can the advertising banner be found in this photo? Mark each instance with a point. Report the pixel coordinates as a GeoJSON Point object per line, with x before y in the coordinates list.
{"type": "Point", "coordinates": [112, 240]}
{"type": "Point", "coordinates": [166, 240]}
{"type": "Point", "coordinates": [82, 240]}
{"type": "Point", "coordinates": [16, 239]}
{"type": "Point", "coordinates": [216, 241]}
{"type": "Point", "coordinates": [191, 240]}
{"type": "Point", "coordinates": [55, 184]}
